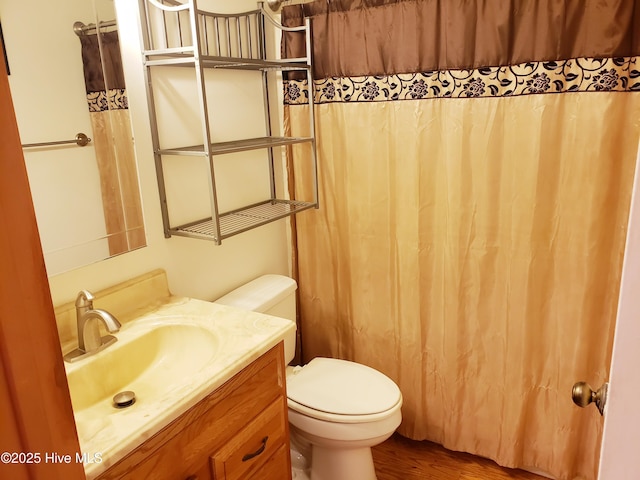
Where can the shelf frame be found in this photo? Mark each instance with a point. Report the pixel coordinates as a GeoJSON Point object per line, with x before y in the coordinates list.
{"type": "Point", "coordinates": [188, 60]}
{"type": "Point", "coordinates": [235, 146]}
{"type": "Point", "coordinates": [206, 40]}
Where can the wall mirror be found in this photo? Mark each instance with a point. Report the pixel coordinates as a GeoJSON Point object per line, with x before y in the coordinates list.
{"type": "Point", "coordinates": [65, 79]}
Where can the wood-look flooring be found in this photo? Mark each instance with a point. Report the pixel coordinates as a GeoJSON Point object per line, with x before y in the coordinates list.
{"type": "Point", "coordinates": [399, 458]}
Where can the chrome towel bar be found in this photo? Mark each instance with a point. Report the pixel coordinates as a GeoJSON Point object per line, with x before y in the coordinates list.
{"type": "Point", "coordinates": [81, 140]}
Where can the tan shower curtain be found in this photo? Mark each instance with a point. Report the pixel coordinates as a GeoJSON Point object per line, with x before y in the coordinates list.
{"type": "Point", "coordinates": [474, 189]}
{"type": "Point", "coordinates": [113, 142]}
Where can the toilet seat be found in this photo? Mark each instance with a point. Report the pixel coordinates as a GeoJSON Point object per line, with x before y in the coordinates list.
{"type": "Point", "coordinates": [341, 391]}
{"type": "Point", "coordinates": [338, 418]}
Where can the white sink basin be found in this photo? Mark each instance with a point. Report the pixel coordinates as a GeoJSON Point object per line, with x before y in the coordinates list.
{"type": "Point", "coordinates": [150, 361]}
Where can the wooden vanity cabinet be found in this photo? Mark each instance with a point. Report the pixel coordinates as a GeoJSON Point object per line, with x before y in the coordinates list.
{"type": "Point", "coordinates": [238, 432]}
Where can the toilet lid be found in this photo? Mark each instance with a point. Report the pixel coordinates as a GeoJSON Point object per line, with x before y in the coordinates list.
{"type": "Point", "coordinates": [342, 387]}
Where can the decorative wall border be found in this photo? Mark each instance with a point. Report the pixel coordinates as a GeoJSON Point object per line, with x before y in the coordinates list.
{"type": "Point", "coordinates": [560, 76]}
{"type": "Point", "coordinates": [115, 99]}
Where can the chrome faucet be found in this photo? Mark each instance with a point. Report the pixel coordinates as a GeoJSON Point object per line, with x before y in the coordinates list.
{"type": "Point", "coordinates": [89, 319]}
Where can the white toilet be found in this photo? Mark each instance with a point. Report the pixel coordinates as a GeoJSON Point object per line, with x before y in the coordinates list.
{"type": "Point", "coordinates": [338, 409]}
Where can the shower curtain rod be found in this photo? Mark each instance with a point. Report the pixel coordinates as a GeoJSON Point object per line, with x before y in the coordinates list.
{"type": "Point", "coordinates": [81, 29]}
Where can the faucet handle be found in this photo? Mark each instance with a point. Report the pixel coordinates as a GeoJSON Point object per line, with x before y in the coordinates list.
{"type": "Point", "coordinates": [84, 299]}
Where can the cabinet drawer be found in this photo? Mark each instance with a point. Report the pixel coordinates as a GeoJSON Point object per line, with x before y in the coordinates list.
{"type": "Point", "coordinates": [278, 467]}
{"type": "Point", "coordinates": [253, 445]}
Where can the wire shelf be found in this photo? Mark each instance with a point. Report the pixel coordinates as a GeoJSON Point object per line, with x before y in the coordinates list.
{"type": "Point", "coordinates": [241, 220]}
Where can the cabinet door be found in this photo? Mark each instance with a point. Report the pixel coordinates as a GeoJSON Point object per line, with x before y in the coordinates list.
{"type": "Point", "coordinates": [249, 450]}
{"type": "Point", "coordinates": [202, 473]}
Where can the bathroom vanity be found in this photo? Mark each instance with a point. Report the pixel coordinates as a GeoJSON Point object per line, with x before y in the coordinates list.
{"type": "Point", "coordinates": [240, 431]}
{"type": "Point", "coordinates": [209, 385]}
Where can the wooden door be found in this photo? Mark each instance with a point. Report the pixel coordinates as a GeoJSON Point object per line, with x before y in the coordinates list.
{"type": "Point", "coordinates": [36, 417]}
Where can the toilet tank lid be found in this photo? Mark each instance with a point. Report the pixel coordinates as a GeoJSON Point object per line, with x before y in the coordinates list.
{"type": "Point", "coordinates": [261, 294]}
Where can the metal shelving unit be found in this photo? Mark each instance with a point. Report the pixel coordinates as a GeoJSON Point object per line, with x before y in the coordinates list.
{"type": "Point", "coordinates": [179, 34]}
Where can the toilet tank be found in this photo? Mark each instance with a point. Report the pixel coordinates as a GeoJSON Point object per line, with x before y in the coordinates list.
{"type": "Point", "coordinates": [270, 294]}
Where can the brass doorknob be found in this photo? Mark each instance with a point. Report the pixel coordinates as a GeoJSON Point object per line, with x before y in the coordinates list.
{"type": "Point", "coordinates": [583, 395]}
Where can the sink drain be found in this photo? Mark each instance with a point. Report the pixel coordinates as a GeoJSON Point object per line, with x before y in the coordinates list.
{"type": "Point", "coordinates": [124, 399]}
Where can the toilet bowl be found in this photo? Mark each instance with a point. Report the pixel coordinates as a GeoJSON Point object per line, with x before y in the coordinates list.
{"type": "Point", "coordinates": [338, 409]}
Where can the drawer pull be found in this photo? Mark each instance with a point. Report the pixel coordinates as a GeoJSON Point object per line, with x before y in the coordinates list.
{"type": "Point", "coordinates": [249, 456]}
{"type": "Point", "coordinates": [192, 477]}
